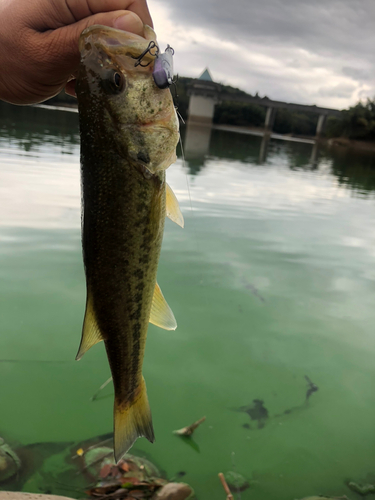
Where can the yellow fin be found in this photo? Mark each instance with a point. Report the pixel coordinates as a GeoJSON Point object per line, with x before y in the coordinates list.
{"type": "Point", "coordinates": [173, 209]}
{"type": "Point", "coordinates": [91, 334]}
{"type": "Point", "coordinates": [132, 422]}
{"type": "Point", "coordinates": [161, 314]}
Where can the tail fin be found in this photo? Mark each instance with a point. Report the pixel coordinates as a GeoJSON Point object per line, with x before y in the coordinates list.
{"type": "Point", "coordinates": [132, 422]}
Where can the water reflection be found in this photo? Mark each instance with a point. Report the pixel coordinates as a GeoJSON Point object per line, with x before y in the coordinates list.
{"type": "Point", "coordinates": [31, 128]}
{"type": "Point", "coordinates": [353, 169]}
{"type": "Point", "coordinates": [39, 174]}
{"type": "Point", "coordinates": [197, 140]}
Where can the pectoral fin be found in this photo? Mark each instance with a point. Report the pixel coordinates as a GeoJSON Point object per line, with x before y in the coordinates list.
{"type": "Point", "coordinates": [91, 334]}
{"type": "Point", "coordinates": [172, 207]}
{"type": "Point", "coordinates": [161, 314]}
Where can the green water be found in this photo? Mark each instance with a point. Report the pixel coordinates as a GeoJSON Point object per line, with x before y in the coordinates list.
{"type": "Point", "coordinates": [272, 280]}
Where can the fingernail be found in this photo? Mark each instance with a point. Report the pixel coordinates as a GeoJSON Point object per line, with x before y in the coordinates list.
{"type": "Point", "coordinates": [125, 22]}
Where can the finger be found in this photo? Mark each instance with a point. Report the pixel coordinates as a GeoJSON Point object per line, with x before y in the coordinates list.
{"type": "Point", "coordinates": [63, 48]}
{"type": "Point", "coordinates": [139, 7]}
{"type": "Point", "coordinates": [71, 11]}
{"type": "Point", "coordinates": [70, 88]}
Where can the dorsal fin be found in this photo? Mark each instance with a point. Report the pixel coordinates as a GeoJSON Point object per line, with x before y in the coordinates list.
{"type": "Point", "coordinates": [161, 314]}
{"type": "Point", "coordinates": [172, 207]}
{"type": "Point", "coordinates": [91, 334]}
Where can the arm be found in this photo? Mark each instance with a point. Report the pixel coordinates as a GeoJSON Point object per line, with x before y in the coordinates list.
{"type": "Point", "coordinates": [39, 41]}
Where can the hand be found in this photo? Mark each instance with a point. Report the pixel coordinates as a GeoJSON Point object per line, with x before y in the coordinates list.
{"type": "Point", "coordinates": [39, 41]}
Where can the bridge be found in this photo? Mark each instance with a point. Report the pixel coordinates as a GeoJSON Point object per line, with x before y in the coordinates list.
{"type": "Point", "coordinates": [205, 94]}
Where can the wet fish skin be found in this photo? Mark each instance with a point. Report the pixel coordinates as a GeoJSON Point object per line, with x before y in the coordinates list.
{"type": "Point", "coordinates": [129, 134]}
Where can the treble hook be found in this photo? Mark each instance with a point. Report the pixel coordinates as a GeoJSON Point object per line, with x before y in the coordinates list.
{"type": "Point", "coordinates": [151, 46]}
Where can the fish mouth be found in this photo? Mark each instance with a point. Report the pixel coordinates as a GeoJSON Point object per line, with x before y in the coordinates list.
{"type": "Point", "coordinates": [108, 36]}
{"type": "Point", "coordinates": [154, 126]}
{"type": "Point", "coordinates": [117, 43]}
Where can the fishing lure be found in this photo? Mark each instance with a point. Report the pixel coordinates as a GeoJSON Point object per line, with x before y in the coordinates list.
{"type": "Point", "coordinates": [163, 66]}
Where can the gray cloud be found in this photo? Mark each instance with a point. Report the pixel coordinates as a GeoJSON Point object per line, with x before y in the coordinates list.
{"type": "Point", "coordinates": [358, 73]}
{"type": "Point", "coordinates": [341, 90]}
{"type": "Point", "coordinates": [324, 26]}
{"type": "Point", "coordinates": [295, 50]}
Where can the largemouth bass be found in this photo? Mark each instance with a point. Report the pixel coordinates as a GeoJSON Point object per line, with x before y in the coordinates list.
{"type": "Point", "coordinates": [129, 133]}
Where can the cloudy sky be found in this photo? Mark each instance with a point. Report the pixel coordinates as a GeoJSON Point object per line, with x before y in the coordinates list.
{"type": "Point", "coordinates": [306, 51]}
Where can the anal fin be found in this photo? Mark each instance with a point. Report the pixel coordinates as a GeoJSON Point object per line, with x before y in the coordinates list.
{"type": "Point", "coordinates": [161, 314]}
{"type": "Point", "coordinates": [173, 208]}
{"type": "Point", "coordinates": [91, 334]}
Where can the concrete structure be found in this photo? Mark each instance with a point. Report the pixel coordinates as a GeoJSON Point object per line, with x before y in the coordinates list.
{"type": "Point", "coordinates": [322, 120]}
{"type": "Point", "coordinates": [203, 97]}
{"type": "Point", "coordinates": [270, 119]}
{"type": "Point", "coordinates": [205, 93]}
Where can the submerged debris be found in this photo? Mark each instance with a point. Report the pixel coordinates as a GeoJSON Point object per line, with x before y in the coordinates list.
{"type": "Point", "coordinates": [236, 481]}
{"type": "Point", "coordinates": [257, 411]}
{"type": "Point", "coordinates": [225, 486]}
{"type": "Point", "coordinates": [132, 477]}
{"type": "Point", "coordinates": [128, 479]}
{"type": "Point", "coordinates": [362, 489]}
{"type": "Point", "coordinates": [188, 431]}
{"type": "Point", "coordinates": [253, 289]}
{"type": "Point", "coordinates": [311, 388]}
{"type": "Point", "coordinates": [9, 461]}
{"type": "Point", "coordinates": [174, 491]}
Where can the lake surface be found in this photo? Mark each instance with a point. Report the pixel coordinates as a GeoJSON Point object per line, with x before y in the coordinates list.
{"type": "Point", "coordinates": [272, 282]}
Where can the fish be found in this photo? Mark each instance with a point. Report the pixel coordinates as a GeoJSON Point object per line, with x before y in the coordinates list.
{"type": "Point", "coordinates": [129, 132]}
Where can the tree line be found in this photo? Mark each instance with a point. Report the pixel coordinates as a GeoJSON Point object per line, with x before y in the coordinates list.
{"type": "Point", "coordinates": [357, 122]}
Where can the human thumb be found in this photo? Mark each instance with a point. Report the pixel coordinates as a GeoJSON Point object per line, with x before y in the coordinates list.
{"type": "Point", "coordinates": [66, 38]}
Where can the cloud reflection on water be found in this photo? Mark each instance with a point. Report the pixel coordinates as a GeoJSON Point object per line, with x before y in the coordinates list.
{"type": "Point", "coordinates": [40, 184]}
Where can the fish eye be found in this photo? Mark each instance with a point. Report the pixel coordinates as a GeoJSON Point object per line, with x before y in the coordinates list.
{"type": "Point", "coordinates": [113, 82]}
{"type": "Point", "coordinates": [117, 80]}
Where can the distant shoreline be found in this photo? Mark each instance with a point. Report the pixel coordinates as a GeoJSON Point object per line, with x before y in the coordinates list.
{"type": "Point", "coordinates": [335, 142]}
{"type": "Point", "coordinates": [344, 142]}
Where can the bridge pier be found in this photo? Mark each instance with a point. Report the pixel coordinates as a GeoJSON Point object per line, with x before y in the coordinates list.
{"type": "Point", "coordinates": [201, 109]}
{"type": "Point", "coordinates": [205, 93]}
{"type": "Point", "coordinates": [270, 119]}
{"type": "Point", "coordinates": [322, 120]}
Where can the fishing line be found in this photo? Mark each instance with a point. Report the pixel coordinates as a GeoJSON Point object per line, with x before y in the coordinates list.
{"type": "Point", "coordinates": [195, 237]}
{"type": "Point", "coordinates": [180, 117]}
{"type": "Point", "coordinates": [184, 166]}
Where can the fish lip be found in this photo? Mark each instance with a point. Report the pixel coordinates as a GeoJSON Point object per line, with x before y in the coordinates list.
{"type": "Point", "coordinates": [99, 29]}
{"type": "Point", "coordinates": [146, 126]}
{"type": "Point", "coordinates": [157, 126]}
